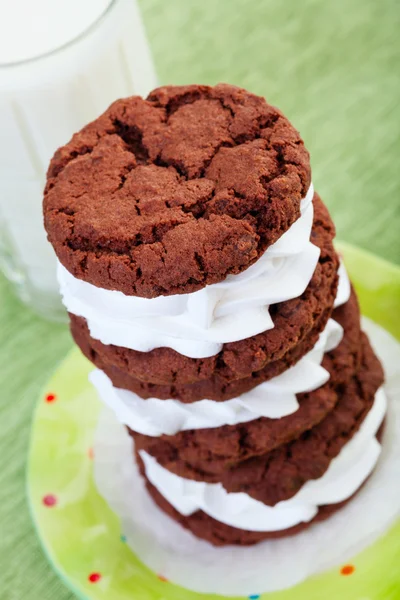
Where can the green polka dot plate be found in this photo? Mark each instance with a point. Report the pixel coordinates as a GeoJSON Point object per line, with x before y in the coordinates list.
{"type": "Point", "coordinates": [81, 535]}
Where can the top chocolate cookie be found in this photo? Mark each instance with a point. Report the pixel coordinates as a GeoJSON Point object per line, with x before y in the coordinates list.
{"type": "Point", "coordinates": [169, 194]}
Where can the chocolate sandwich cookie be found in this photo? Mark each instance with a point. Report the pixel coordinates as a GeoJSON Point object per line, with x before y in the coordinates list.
{"type": "Point", "coordinates": [219, 534]}
{"type": "Point", "coordinates": [169, 194]}
{"type": "Point", "coordinates": [230, 444]}
{"type": "Point", "coordinates": [217, 387]}
{"type": "Point", "coordinates": [233, 455]}
{"type": "Point", "coordinates": [294, 320]}
{"type": "Point", "coordinates": [342, 362]}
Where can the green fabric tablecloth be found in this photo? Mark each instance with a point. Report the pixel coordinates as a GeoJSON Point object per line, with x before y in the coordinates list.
{"type": "Point", "coordinates": [333, 68]}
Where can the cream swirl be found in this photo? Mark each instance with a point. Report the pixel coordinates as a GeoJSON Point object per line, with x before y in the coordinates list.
{"type": "Point", "coordinates": [344, 476]}
{"type": "Point", "coordinates": [198, 324]}
{"type": "Point", "coordinates": [274, 399]}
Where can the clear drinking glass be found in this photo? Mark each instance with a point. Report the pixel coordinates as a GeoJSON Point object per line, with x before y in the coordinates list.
{"type": "Point", "coordinates": [71, 62]}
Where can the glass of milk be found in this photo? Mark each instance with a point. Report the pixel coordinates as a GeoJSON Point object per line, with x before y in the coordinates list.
{"type": "Point", "coordinates": [62, 63]}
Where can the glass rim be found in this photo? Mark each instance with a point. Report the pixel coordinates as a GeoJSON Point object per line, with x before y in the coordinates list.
{"type": "Point", "coordinates": [71, 42]}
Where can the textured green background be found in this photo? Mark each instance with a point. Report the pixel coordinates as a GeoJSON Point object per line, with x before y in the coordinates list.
{"type": "Point", "coordinates": [332, 66]}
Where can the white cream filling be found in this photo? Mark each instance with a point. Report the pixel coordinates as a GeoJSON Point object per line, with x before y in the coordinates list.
{"type": "Point", "coordinates": [344, 476]}
{"type": "Point", "coordinates": [198, 324]}
{"type": "Point", "coordinates": [274, 399]}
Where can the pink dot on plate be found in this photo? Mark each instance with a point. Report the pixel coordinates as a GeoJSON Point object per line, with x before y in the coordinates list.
{"type": "Point", "coordinates": [50, 397]}
{"type": "Point", "coordinates": [49, 500]}
{"type": "Point", "coordinates": [94, 577]}
{"type": "Point", "coordinates": [90, 453]}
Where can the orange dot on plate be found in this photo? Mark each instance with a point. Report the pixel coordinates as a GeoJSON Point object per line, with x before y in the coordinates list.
{"type": "Point", "coordinates": [162, 578]}
{"type": "Point", "coordinates": [347, 570]}
{"type": "Point", "coordinates": [50, 397]}
{"type": "Point", "coordinates": [90, 453]}
{"type": "Point", "coordinates": [94, 577]}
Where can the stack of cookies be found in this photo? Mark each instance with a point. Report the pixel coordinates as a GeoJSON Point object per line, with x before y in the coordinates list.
{"type": "Point", "coordinates": [198, 268]}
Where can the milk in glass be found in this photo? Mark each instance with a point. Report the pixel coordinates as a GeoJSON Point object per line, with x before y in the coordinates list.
{"type": "Point", "coordinates": [62, 63]}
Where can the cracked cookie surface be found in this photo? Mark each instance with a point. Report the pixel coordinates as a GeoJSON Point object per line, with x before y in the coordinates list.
{"type": "Point", "coordinates": [169, 194]}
